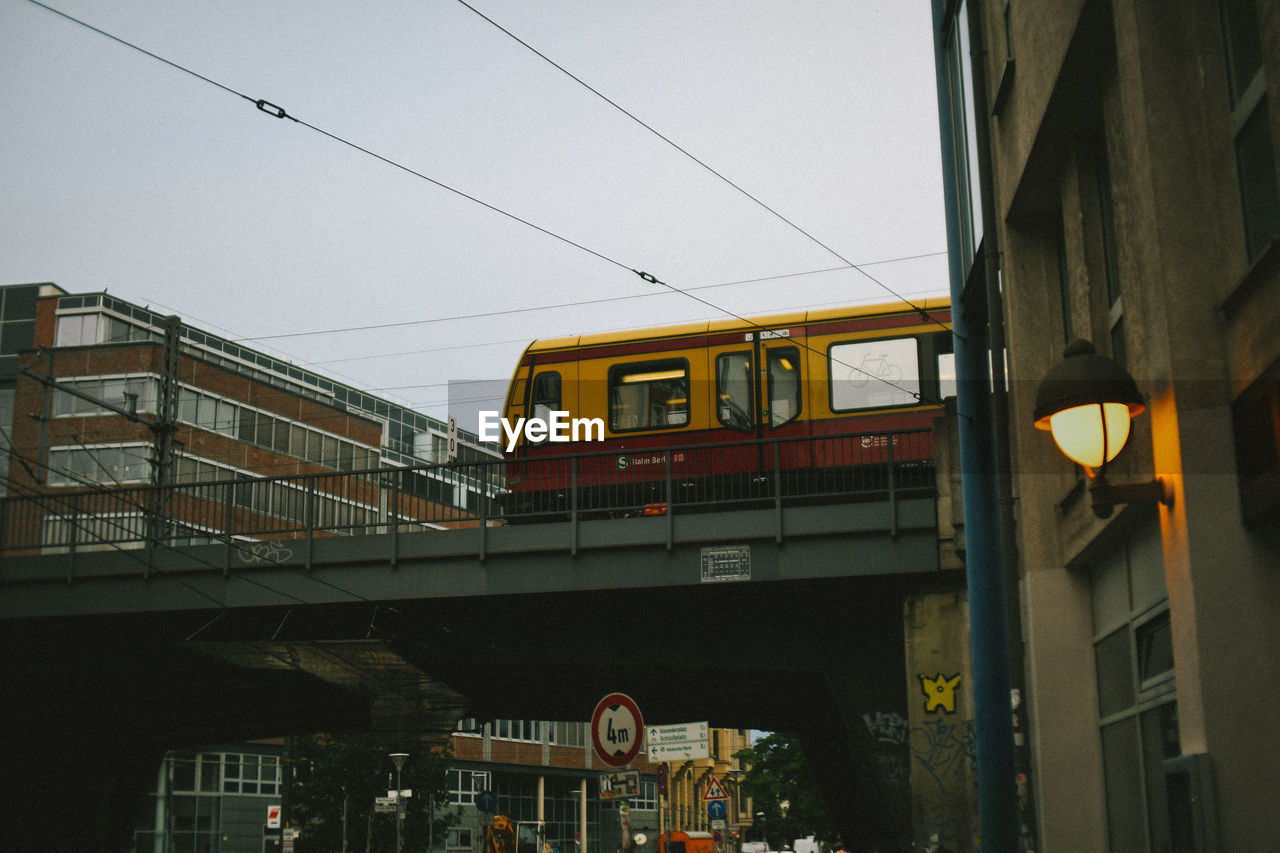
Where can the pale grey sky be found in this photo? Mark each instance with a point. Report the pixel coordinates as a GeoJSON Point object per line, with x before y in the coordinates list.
{"type": "Point", "coordinates": [123, 173]}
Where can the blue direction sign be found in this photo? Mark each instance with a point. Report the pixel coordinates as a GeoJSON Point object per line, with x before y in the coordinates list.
{"type": "Point", "coordinates": [716, 810]}
{"type": "Point", "coordinates": [487, 801]}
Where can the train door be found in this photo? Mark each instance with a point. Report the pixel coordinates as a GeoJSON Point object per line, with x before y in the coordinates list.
{"type": "Point", "coordinates": [759, 395]}
{"type": "Point", "coordinates": [781, 388]}
{"type": "Point", "coordinates": [759, 388]}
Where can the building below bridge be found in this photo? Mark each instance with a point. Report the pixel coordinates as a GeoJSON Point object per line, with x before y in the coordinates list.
{"type": "Point", "coordinates": [233, 798]}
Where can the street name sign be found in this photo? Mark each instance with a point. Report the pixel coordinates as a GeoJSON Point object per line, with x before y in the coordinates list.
{"type": "Point", "coordinates": [679, 742]}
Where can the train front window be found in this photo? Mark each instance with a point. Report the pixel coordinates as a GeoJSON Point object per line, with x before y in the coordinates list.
{"type": "Point", "coordinates": [874, 374]}
{"type": "Point", "coordinates": [784, 385]}
{"type": "Point", "coordinates": [546, 394]}
{"type": "Point", "coordinates": [734, 395]}
{"type": "Point", "coordinates": [649, 395]}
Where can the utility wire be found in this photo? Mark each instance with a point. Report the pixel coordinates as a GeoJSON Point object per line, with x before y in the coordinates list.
{"type": "Point", "coordinates": [279, 112]}
{"type": "Point", "coordinates": [578, 304]}
{"type": "Point", "coordinates": [696, 160]}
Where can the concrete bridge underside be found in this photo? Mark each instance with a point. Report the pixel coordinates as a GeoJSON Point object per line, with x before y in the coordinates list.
{"type": "Point", "coordinates": [813, 639]}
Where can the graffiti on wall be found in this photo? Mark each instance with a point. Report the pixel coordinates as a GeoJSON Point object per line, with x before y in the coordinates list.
{"type": "Point", "coordinates": [887, 727]}
{"type": "Point", "coordinates": [944, 749]}
{"type": "Point", "coordinates": [939, 692]}
{"type": "Point", "coordinates": [941, 746]}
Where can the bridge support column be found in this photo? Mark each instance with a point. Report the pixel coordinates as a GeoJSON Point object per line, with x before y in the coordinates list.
{"type": "Point", "coordinates": [862, 769]}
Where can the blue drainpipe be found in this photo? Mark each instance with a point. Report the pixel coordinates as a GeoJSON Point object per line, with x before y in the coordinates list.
{"type": "Point", "coordinates": [984, 562]}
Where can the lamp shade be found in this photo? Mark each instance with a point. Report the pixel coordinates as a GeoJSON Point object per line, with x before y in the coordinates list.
{"type": "Point", "coordinates": [1087, 402]}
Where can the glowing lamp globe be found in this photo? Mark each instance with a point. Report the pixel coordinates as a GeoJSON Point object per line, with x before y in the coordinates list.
{"type": "Point", "coordinates": [1087, 402]}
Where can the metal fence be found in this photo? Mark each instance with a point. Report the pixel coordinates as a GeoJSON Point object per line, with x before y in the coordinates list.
{"type": "Point", "coordinates": [612, 484]}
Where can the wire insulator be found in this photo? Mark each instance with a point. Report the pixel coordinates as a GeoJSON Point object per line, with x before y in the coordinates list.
{"type": "Point", "coordinates": [272, 109]}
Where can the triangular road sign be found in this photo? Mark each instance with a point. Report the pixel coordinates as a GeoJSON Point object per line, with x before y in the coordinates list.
{"type": "Point", "coordinates": [715, 791]}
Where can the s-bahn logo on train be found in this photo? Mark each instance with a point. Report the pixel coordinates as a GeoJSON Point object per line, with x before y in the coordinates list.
{"type": "Point", "coordinates": [808, 404]}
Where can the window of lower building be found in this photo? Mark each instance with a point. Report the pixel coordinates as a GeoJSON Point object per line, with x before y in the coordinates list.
{"type": "Point", "coordinates": [459, 838]}
{"type": "Point", "coordinates": [1137, 699]}
{"type": "Point", "coordinates": [250, 774]}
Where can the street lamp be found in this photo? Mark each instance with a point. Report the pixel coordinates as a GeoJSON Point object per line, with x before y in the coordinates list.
{"type": "Point", "coordinates": [1087, 402]}
{"type": "Point", "coordinates": [734, 776]}
{"type": "Point", "coordinates": [399, 758]}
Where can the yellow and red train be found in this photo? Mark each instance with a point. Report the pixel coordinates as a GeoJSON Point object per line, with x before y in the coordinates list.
{"type": "Point", "coordinates": [704, 412]}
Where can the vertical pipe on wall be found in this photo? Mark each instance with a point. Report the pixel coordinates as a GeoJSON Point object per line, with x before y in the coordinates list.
{"type": "Point", "coordinates": [984, 560]}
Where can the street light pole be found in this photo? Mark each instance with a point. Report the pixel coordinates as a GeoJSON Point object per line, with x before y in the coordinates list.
{"type": "Point", "coordinates": [399, 759]}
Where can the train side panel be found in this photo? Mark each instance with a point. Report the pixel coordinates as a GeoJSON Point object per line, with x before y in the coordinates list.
{"type": "Point", "coordinates": [751, 386]}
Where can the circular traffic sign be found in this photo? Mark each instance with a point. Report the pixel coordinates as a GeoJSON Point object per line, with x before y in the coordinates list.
{"type": "Point", "coordinates": [616, 730]}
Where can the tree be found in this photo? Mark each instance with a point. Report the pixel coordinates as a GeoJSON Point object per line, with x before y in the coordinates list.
{"type": "Point", "coordinates": [779, 773]}
{"type": "Point", "coordinates": [333, 776]}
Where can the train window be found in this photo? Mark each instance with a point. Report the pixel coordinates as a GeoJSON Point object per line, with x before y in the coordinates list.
{"type": "Point", "coordinates": [649, 395]}
{"type": "Point", "coordinates": [784, 385]}
{"type": "Point", "coordinates": [874, 374]}
{"type": "Point", "coordinates": [734, 388]}
{"type": "Point", "coordinates": [946, 375]}
{"type": "Point", "coordinates": [546, 394]}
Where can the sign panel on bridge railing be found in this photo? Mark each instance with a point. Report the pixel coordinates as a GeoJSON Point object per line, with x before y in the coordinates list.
{"type": "Point", "coordinates": [726, 563]}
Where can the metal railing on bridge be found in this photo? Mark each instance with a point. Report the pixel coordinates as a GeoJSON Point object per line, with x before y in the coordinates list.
{"type": "Point", "coordinates": [613, 484]}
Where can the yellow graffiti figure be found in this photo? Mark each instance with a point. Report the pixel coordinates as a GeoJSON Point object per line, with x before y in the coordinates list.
{"type": "Point", "coordinates": [940, 692]}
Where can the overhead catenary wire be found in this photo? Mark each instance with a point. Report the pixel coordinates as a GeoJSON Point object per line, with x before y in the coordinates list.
{"type": "Point", "coordinates": [693, 158]}
{"type": "Point", "coordinates": [487, 315]}
{"type": "Point", "coordinates": [279, 112]}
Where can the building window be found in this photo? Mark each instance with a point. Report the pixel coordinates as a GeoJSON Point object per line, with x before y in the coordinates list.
{"type": "Point", "coordinates": [253, 426]}
{"type": "Point", "coordinates": [458, 839]}
{"type": "Point", "coordinates": [525, 730]}
{"type": "Point", "coordinates": [107, 465]}
{"type": "Point", "coordinates": [1251, 125]}
{"type": "Point", "coordinates": [964, 120]}
{"type": "Point", "coordinates": [250, 774]}
{"type": "Point", "coordinates": [17, 319]}
{"type": "Point", "coordinates": [464, 785]}
{"type": "Point", "coordinates": [1137, 700]}
{"type": "Point", "coordinates": [132, 393]}
{"type": "Point", "coordinates": [1064, 283]}
{"type": "Point", "coordinates": [6, 417]}
{"type": "Point", "coordinates": [648, 799]}
{"type": "Point", "coordinates": [1109, 246]}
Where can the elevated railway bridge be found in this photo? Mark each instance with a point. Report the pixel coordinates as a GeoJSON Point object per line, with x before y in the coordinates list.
{"type": "Point", "coordinates": [138, 619]}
